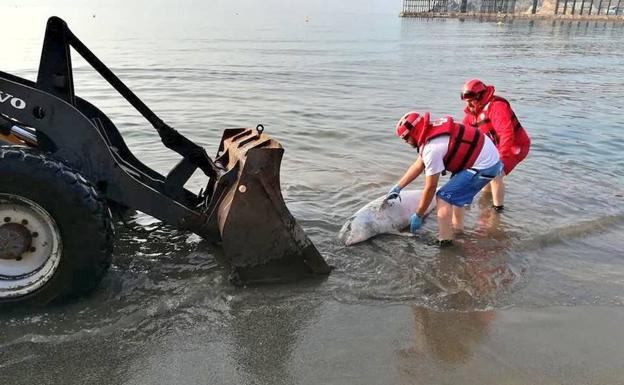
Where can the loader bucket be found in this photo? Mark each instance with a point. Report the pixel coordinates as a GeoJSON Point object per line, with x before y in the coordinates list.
{"type": "Point", "coordinates": [261, 239]}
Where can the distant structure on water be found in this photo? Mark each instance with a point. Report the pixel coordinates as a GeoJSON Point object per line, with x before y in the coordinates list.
{"type": "Point", "coordinates": [534, 9]}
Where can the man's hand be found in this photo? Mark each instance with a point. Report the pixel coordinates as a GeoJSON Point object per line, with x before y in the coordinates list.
{"type": "Point", "coordinates": [415, 223]}
{"type": "Point", "coordinates": [394, 193]}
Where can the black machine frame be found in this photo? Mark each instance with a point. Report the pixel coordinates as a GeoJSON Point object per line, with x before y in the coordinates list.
{"type": "Point", "coordinates": [92, 144]}
{"type": "Point", "coordinates": [241, 206]}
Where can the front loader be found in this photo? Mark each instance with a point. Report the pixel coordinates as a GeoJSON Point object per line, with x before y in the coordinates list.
{"type": "Point", "coordinates": [64, 165]}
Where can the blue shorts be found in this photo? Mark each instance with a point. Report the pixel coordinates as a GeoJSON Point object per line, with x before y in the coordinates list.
{"type": "Point", "coordinates": [461, 189]}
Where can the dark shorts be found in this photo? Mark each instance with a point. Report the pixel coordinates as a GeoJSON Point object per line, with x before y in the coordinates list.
{"type": "Point", "coordinates": [461, 189]}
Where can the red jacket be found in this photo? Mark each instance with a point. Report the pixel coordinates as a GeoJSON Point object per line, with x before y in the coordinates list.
{"type": "Point", "coordinates": [497, 120]}
{"type": "Point", "coordinates": [465, 143]}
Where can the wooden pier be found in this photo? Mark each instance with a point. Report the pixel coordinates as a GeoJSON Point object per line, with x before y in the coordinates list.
{"type": "Point", "coordinates": [503, 9]}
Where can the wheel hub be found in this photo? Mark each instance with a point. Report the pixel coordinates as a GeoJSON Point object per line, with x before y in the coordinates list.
{"type": "Point", "coordinates": [15, 240]}
{"type": "Point", "coordinates": [30, 246]}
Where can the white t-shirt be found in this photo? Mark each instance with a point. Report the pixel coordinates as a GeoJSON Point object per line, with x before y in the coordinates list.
{"type": "Point", "coordinates": [435, 150]}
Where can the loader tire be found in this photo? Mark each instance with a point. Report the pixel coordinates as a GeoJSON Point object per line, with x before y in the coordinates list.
{"type": "Point", "coordinates": [56, 232]}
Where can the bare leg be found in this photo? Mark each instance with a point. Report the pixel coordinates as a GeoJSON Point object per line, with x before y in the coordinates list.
{"type": "Point", "coordinates": [498, 190]}
{"type": "Point", "coordinates": [445, 213]}
{"type": "Point", "coordinates": [458, 219]}
{"type": "Point", "coordinates": [485, 198]}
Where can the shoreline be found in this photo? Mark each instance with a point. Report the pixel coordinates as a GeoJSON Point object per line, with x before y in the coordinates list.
{"type": "Point", "coordinates": [331, 342]}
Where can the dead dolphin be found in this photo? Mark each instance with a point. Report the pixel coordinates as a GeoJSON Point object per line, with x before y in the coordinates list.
{"type": "Point", "coordinates": [380, 217]}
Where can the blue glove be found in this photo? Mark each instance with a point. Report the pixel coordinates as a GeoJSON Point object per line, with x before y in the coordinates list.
{"type": "Point", "coordinates": [415, 223]}
{"type": "Point", "coordinates": [394, 193]}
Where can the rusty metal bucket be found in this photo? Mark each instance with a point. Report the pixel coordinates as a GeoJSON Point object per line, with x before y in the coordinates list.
{"type": "Point", "coordinates": [261, 239]}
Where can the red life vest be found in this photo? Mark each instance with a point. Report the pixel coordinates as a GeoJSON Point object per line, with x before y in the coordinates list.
{"type": "Point", "coordinates": [484, 123]}
{"type": "Point", "coordinates": [465, 143]}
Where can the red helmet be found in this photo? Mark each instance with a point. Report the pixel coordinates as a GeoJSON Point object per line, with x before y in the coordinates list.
{"type": "Point", "coordinates": [412, 124]}
{"type": "Point", "coordinates": [473, 89]}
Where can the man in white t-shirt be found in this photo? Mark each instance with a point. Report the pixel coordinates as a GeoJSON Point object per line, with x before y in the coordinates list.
{"type": "Point", "coordinates": [444, 145]}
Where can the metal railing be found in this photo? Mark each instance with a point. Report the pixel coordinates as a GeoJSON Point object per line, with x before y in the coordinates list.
{"type": "Point", "coordinates": [561, 7]}
{"type": "Point", "coordinates": [589, 7]}
{"type": "Point", "coordinates": [498, 6]}
{"type": "Point", "coordinates": [425, 6]}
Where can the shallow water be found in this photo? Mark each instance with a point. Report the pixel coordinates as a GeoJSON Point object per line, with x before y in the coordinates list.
{"type": "Point", "coordinates": [330, 89]}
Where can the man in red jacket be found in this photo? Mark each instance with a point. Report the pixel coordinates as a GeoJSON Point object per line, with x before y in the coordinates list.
{"type": "Point", "coordinates": [493, 116]}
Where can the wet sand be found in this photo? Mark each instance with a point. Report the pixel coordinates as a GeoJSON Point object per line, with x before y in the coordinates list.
{"type": "Point", "coordinates": [336, 343]}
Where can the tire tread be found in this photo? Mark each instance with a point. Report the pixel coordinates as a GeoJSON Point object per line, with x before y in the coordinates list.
{"type": "Point", "coordinates": [90, 198]}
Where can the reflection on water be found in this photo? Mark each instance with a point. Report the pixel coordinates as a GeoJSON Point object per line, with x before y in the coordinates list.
{"type": "Point", "coordinates": [477, 271]}
{"type": "Point", "coordinates": [448, 337]}
{"type": "Point", "coordinates": [461, 285]}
